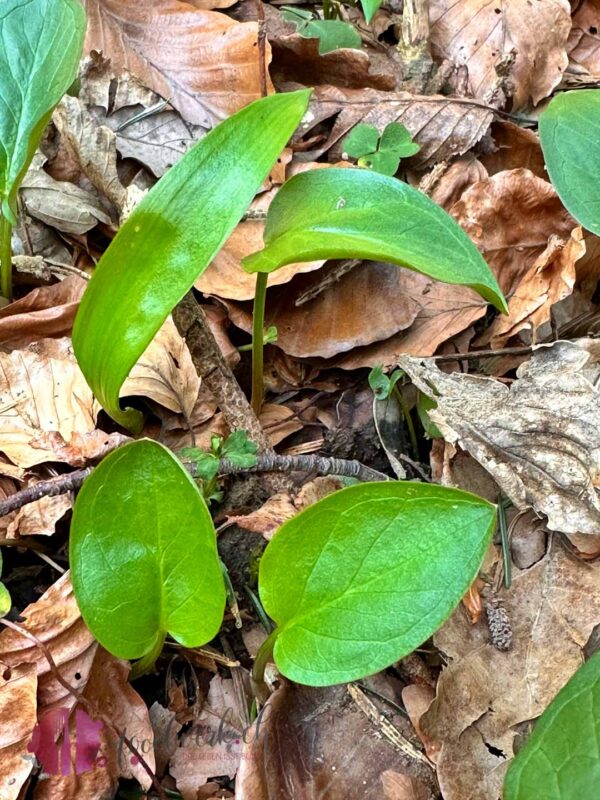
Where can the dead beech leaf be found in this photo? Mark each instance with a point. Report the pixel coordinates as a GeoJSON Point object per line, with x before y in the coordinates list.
{"type": "Point", "coordinates": [39, 518]}
{"type": "Point", "coordinates": [461, 174]}
{"type": "Point", "coordinates": [60, 204]}
{"type": "Point", "coordinates": [510, 217]}
{"type": "Point", "coordinates": [56, 621]}
{"type": "Point", "coordinates": [165, 373]}
{"type": "Point", "coordinates": [515, 148]}
{"type": "Point", "coordinates": [550, 279]}
{"type": "Point", "coordinates": [539, 438]}
{"type": "Point", "coordinates": [584, 39]}
{"type": "Point", "coordinates": [214, 743]}
{"type": "Point", "coordinates": [484, 693]}
{"type": "Point", "coordinates": [166, 730]}
{"type": "Point", "coordinates": [218, 322]}
{"type": "Point", "coordinates": [443, 127]}
{"type": "Point", "coordinates": [315, 743]}
{"type": "Point", "coordinates": [18, 714]}
{"type": "Point", "coordinates": [203, 62]}
{"type": "Point", "coordinates": [477, 34]}
{"type": "Point", "coordinates": [397, 786]}
{"type": "Point", "coordinates": [45, 311]}
{"type": "Point", "coordinates": [279, 422]}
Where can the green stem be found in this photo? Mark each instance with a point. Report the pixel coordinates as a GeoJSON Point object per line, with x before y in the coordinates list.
{"type": "Point", "coordinates": [146, 662]}
{"type": "Point", "coordinates": [264, 655]}
{"type": "Point", "coordinates": [258, 324]}
{"type": "Point", "coordinates": [409, 423]}
{"type": "Point", "coordinates": [5, 258]}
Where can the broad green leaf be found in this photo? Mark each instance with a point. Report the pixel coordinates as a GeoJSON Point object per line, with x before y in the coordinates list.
{"type": "Point", "coordinates": [361, 140]}
{"type": "Point", "coordinates": [143, 554]}
{"type": "Point", "coordinates": [364, 576]}
{"type": "Point", "coordinates": [397, 139]}
{"type": "Point", "coordinates": [561, 760]}
{"type": "Point", "coordinates": [352, 213]}
{"type": "Point", "coordinates": [5, 598]}
{"type": "Point", "coordinates": [386, 163]}
{"type": "Point", "coordinates": [369, 8]}
{"type": "Point", "coordinates": [171, 238]}
{"type": "Point", "coordinates": [570, 138]}
{"type": "Point", "coordinates": [41, 45]}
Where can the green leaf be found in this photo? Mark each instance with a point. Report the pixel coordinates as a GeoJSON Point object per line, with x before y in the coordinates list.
{"type": "Point", "coordinates": [570, 137]}
{"type": "Point", "coordinates": [171, 238]}
{"type": "Point", "coordinates": [238, 449]}
{"type": "Point", "coordinates": [207, 464]}
{"type": "Point", "coordinates": [561, 760]}
{"type": "Point", "coordinates": [424, 405]}
{"type": "Point", "coordinates": [364, 576]}
{"type": "Point", "coordinates": [386, 163]}
{"type": "Point", "coordinates": [143, 554]}
{"type": "Point", "coordinates": [333, 34]}
{"type": "Point", "coordinates": [352, 213]}
{"type": "Point", "coordinates": [41, 46]}
{"type": "Point", "coordinates": [5, 600]}
{"type": "Point", "coordinates": [369, 8]}
{"type": "Point", "coordinates": [361, 141]}
{"type": "Point", "coordinates": [397, 139]}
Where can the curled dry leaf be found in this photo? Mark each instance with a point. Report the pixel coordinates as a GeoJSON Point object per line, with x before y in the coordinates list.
{"type": "Point", "coordinates": [18, 714]}
{"type": "Point", "coordinates": [455, 180]}
{"type": "Point", "coordinates": [484, 694]}
{"type": "Point", "coordinates": [584, 39]}
{"type": "Point", "coordinates": [514, 148]}
{"type": "Point", "coordinates": [477, 34]}
{"type": "Point", "coordinates": [443, 127]}
{"type": "Point", "coordinates": [279, 422]}
{"type": "Point", "coordinates": [39, 518]}
{"type": "Point", "coordinates": [550, 279]}
{"type": "Point", "coordinates": [56, 621]}
{"type": "Point", "coordinates": [203, 62]}
{"type": "Point", "coordinates": [315, 743]}
{"type": "Point", "coordinates": [539, 438]}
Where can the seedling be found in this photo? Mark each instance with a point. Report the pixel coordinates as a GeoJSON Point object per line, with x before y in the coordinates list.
{"type": "Point", "coordinates": [237, 449]}
{"type": "Point", "coordinates": [332, 34]}
{"type": "Point", "coordinates": [42, 42]}
{"type": "Point", "coordinates": [380, 153]}
{"type": "Point", "coordinates": [561, 760]}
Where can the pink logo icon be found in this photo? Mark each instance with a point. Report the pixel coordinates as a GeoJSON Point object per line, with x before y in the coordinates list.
{"type": "Point", "coordinates": [51, 742]}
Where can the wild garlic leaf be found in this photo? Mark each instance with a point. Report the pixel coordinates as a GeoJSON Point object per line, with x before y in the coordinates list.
{"type": "Point", "coordinates": [561, 759]}
{"type": "Point", "coordinates": [143, 553]}
{"type": "Point", "coordinates": [171, 238]}
{"type": "Point", "coordinates": [369, 8]}
{"type": "Point", "coordinates": [41, 47]}
{"type": "Point", "coordinates": [355, 213]}
{"type": "Point", "coordinates": [570, 137]}
{"type": "Point", "coordinates": [364, 576]}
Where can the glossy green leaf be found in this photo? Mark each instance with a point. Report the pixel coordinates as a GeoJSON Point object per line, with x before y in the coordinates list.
{"type": "Point", "coordinates": [561, 760]}
{"type": "Point", "coordinates": [39, 56]}
{"type": "Point", "coordinates": [369, 8]}
{"type": "Point", "coordinates": [143, 554]}
{"type": "Point", "coordinates": [170, 239]}
{"type": "Point", "coordinates": [352, 213]}
{"type": "Point", "coordinates": [570, 137]}
{"type": "Point", "coordinates": [364, 576]}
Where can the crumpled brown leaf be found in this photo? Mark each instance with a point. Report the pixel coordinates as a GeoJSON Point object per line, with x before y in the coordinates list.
{"type": "Point", "coordinates": [539, 438]}
{"type": "Point", "coordinates": [515, 148]}
{"type": "Point", "coordinates": [484, 693]}
{"type": "Point", "coordinates": [584, 39]}
{"type": "Point", "coordinates": [549, 280]}
{"type": "Point", "coordinates": [442, 126]}
{"type": "Point", "coordinates": [18, 714]}
{"type": "Point", "coordinates": [39, 518]}
{"type": "Point", "coordinates": [477, 34]}
{"type": "Point", "coordinates": [203, 62]}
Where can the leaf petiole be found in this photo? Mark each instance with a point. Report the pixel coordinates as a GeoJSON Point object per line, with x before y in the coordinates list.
{"type": "Point", "coordinates": [258, 322]}
{"type": "Point", "coordinates": [5, 257]}
{"type": "Point", "coordinates": [146, 663]}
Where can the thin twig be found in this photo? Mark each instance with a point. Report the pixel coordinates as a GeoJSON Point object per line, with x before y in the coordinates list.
{"type": "Point", "coordinates": [475, 354]}
{"type": "Point", "coordinates": [268, 462]}
{"type": "Point", "coordinates": [86, 703]}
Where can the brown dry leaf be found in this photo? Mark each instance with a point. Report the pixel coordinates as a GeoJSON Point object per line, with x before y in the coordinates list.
{"type": "Point", "coordinates": [39, 518]}
{"type": "Point", "coordinates": [510, 217]}
{"type": "Point", "coordinates": [218, 322]}
{"type": "Point", "coordinates": [166, 730]}
{"type": "Point", "coordinates": [279, 422]}
{"type": "Point", "coordinates": [213, 745]}
{"type": "Point", "coordinates": [203, 62]}
{"type": "Point", "coordinates": [477, 34]}
{"type": "Point", "coordinates": [584, 39]}
{"type": "Point", "coordinates": [484, 693]}
{"type": "Point", "coordinates": [462, 173]}
{"type": "Point", "coordinates": [60, 204]}
{"type": "Point", "coordinates": [397, 786]}
{"type": "Point", "coordinates": [315, 743]}
{"type": "Point", "coordinates": [46, 311]}
{"type": "Point", "coordinates": [18, 714]}
{"type": "Point", "coordinates": [165, 373]}
{"type": "Point", "coordinates": [549, 280]}
{"type": "Point", "coordinates": [539, 438]}
{"type": "Point", "coordinates": [442, 126]}
{"type": "Point", "coordinates": [515, 148]}
{"type": "Point", "coordinates": [56, 621]}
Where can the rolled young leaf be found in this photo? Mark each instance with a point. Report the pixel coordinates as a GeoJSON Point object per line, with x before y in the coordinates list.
{"type": "Point", "coordinates": [170, 239]}
{"type": "Point", "coordinates": [41, 47]}
{"type": "Point", "coordinates": [361, 578]}
{"type": "Point", "coordinates": [570, 139]}
{"type": "Point", "coordinates": [352, 213]}
{"type": "Point", "coordinates": [561, 760]}
{"type": "Point", "coordinates": [143, 554]}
